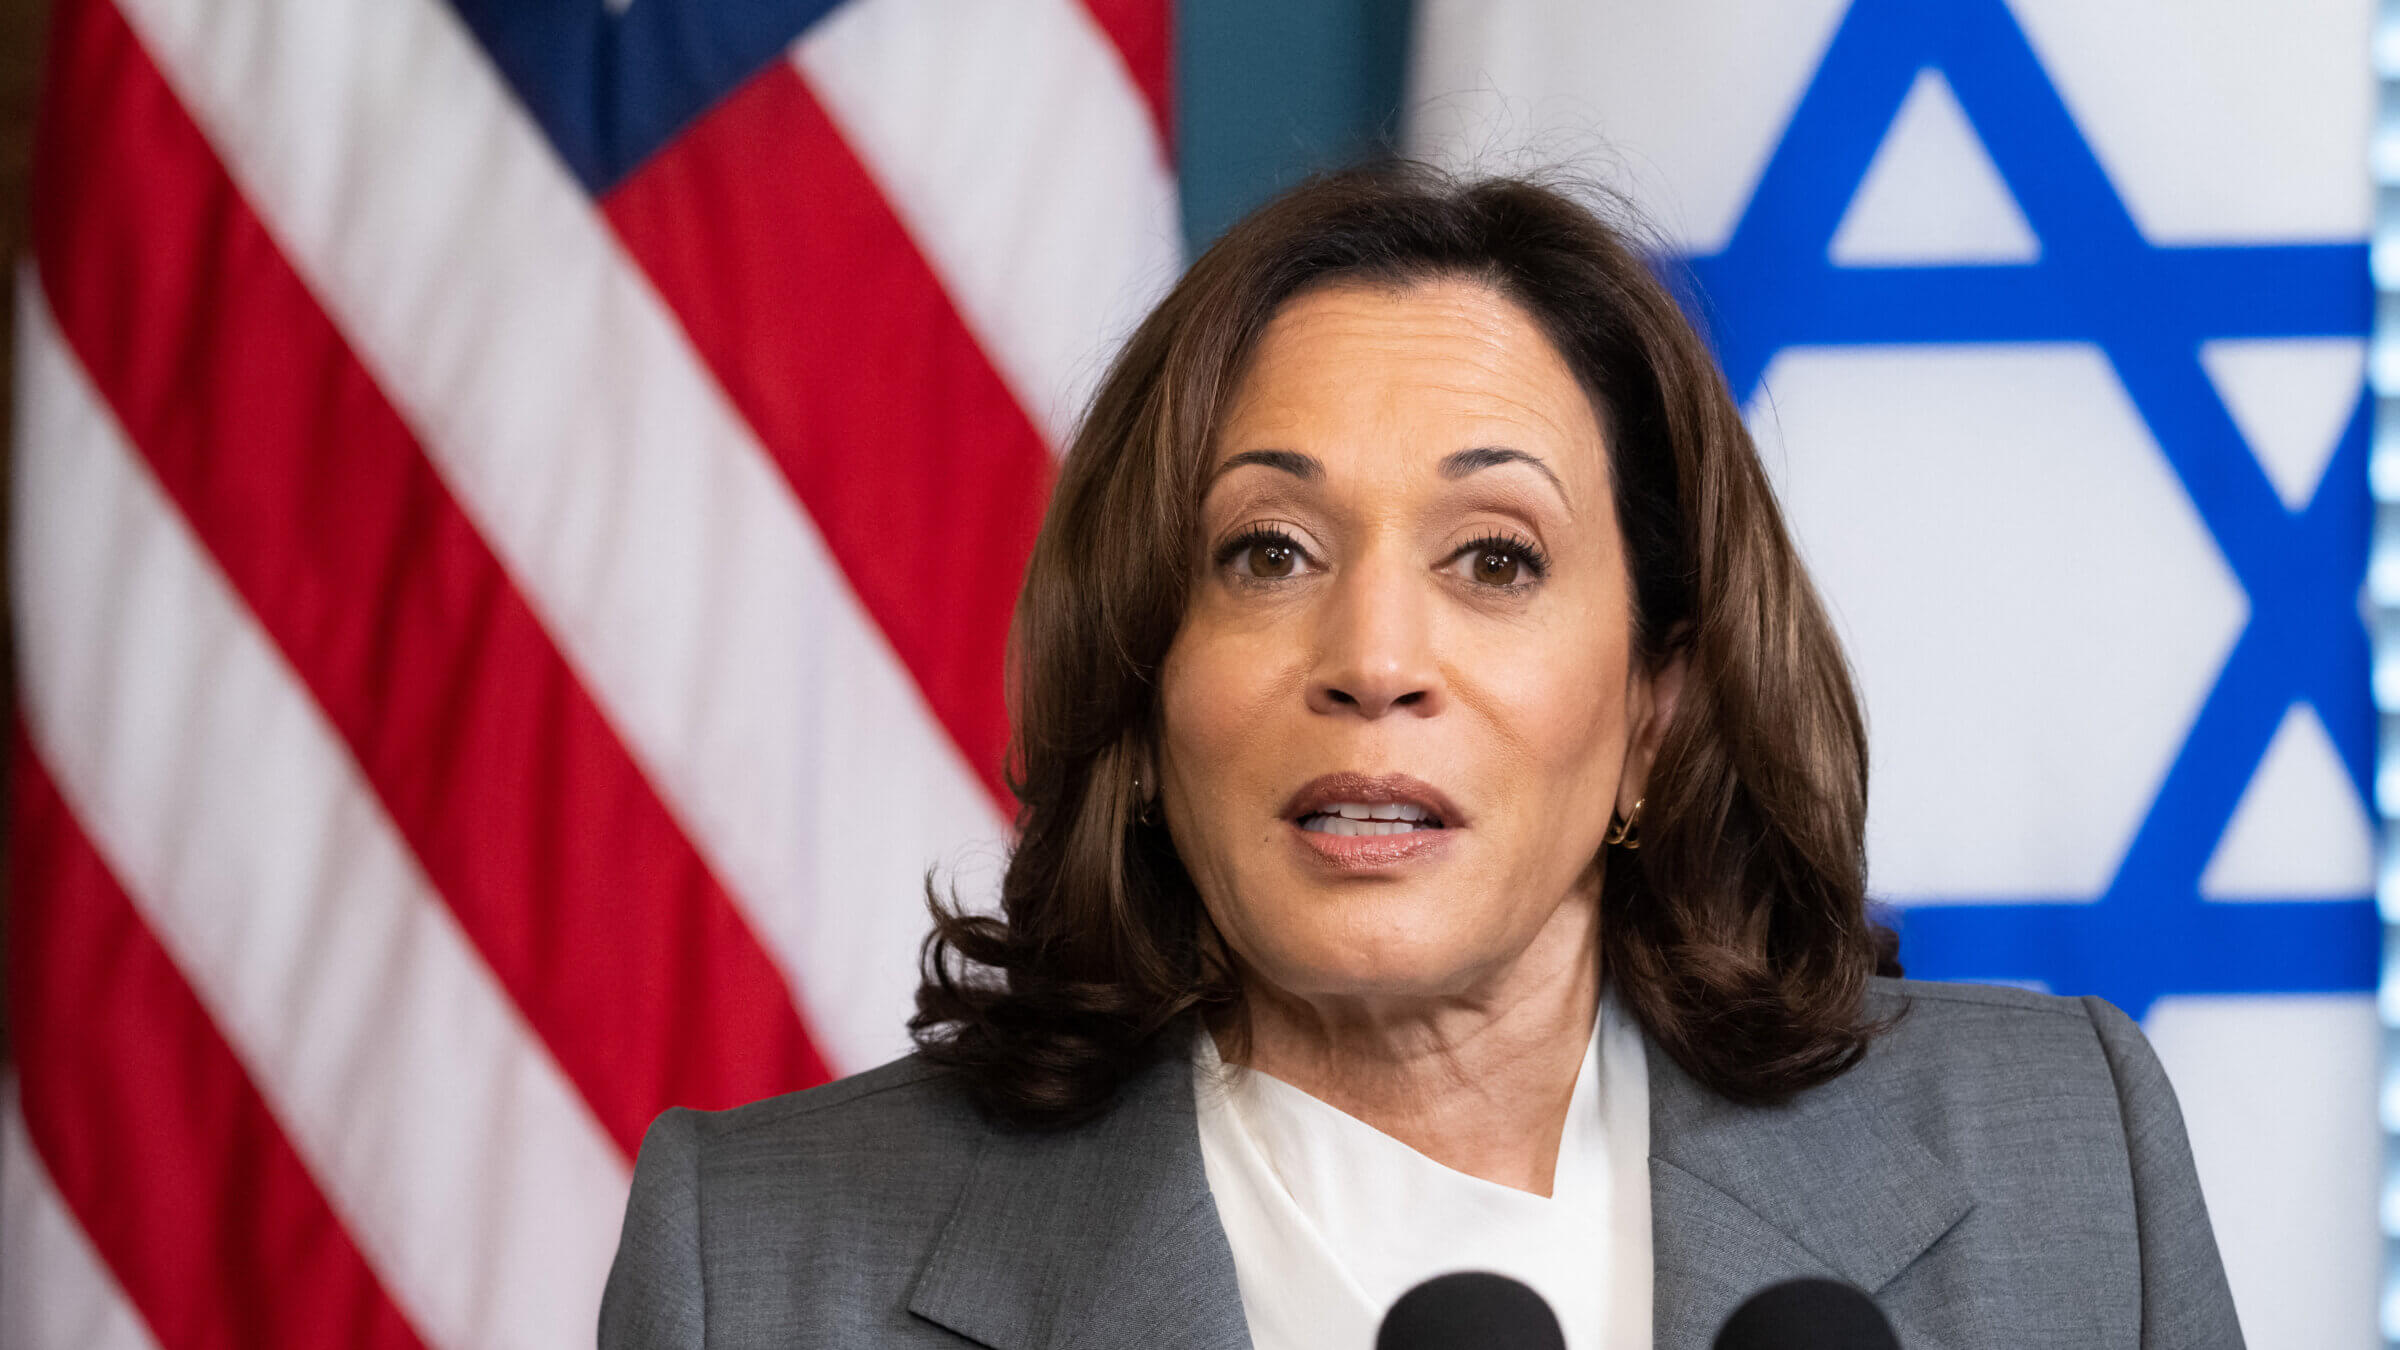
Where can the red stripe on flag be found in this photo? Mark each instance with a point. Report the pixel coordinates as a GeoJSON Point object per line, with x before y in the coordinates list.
{"type": "Point", "coordinates": [526, 811]}
{"type": "Point", "coordinates": [805, 294]}
{"type": "Point", "coordinates": [158, 1142]}
{"type": "Point", "coordinates": [1143, 34]}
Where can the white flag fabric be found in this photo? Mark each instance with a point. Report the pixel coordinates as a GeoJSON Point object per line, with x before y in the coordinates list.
{"type": "Point", "coordinates": [2050, 320]}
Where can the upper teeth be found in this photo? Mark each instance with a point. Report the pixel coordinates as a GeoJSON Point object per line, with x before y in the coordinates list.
{"type": "Point", "coordinates": [1379, 811]}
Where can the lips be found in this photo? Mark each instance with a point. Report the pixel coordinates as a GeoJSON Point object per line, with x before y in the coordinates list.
{"type": "Point", "coordinates": [1388, 799]}
{"type": "Point", "coordinates": [1356, 823]}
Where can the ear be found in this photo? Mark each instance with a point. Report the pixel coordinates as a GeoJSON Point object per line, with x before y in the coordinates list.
{"type": "Point", "coordinates": [1651, 703]}
{"type": "Point", "coordinates": [1144, 758]}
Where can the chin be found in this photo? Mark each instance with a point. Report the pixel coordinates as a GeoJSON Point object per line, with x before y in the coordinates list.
{"type": "Point", "coordinates": [1400, 959]}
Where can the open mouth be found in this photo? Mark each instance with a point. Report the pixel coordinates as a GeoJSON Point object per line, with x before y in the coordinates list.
{"type": "Point", "coordinates": [1363, 818]}
{"type": "Point", "coordinates": [1372, 824]}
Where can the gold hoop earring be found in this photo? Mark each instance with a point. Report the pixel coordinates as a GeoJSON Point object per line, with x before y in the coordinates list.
{"type": "Point", "coordinates": [1621, 831]}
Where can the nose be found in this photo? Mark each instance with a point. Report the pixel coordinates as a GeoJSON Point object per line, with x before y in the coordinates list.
{"type": "Point", "coordinates": [1375, 649]}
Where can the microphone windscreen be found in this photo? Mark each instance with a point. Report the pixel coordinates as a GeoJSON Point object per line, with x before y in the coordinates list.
{"type": "Point", "coordinates": [1807, 1315]}
{"type": "Point", "coordinates": [1470, 1309]}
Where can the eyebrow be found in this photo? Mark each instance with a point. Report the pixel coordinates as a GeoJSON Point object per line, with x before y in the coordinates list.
{"type": "Point", "coordinates": [1460, 463]}
{"type": "Point", "coordinates": [1455, 465]}
{"type": "Point", "coordinates": [1300, 466]}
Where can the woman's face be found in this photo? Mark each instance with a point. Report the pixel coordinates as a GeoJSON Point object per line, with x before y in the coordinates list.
{"type": "Point", "coordinates": [1412, 605]}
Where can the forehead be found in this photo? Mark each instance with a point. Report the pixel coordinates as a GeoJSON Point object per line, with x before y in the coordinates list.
{"type": "Point", "coordinates": [1424, 368]}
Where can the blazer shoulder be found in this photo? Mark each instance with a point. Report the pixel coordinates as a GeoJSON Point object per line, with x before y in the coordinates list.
{"type": "Point", "coordinates": [2058, 1116]}
{"type": "Point", "coordinates": [1970, 1062]}
{"type": "Point", "coordinates": [872, 1128]}
{"type": "Point", "coordinates": [907, 1085]}
{"type": "Point", "coordinates": [1966, 1030]}
{"type": "Point", "coordinates": [1973, 999]}
{"type": "Point", "coordinates": [893, 1143]}
{"type": "Point", "coordinates": [739, 1218]}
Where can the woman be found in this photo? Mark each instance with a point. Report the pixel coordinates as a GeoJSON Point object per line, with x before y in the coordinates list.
{"type": "Point", "coordinates": [1441, 846]}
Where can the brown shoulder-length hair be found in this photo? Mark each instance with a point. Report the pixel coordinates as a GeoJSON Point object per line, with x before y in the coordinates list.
{"type": "Point", "coordinates": [1737, 933]}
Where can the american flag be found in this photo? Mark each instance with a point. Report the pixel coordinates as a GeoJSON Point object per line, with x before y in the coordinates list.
{"type": "Point", "coordinates": [516, 510]}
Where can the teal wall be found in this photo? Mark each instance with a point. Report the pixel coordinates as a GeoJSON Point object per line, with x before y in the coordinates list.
{"type": "Point", "coordinates": [1268, 91]}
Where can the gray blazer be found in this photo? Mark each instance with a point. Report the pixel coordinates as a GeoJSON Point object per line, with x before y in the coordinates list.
{"type": "Point", "coordinates": [2003, 1170]}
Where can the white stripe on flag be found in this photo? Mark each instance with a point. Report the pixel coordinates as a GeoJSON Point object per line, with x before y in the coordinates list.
{"type": "Point", "coordinates": [256, 853]}
{"type": "Point", "coordinates": [55, 1294]}
{"type": "Point", "coordinates": [1014, 145]}
{"type": "Point", "coordinates": [648, 529]}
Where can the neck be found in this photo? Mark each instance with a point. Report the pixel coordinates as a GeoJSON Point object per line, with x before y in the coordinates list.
{"type": "Point", "coordinates": [1478, 1081]}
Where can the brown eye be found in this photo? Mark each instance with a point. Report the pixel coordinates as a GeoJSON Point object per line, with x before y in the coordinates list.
{"type": "Point", "coordinates": [1270, 560]}
{"type": "Point", "coordinates": [1495, 567]}
{"type": "Point", "coordinates": [1264, 554]}
{"type": "Point", "coordinates": [1503, 562]}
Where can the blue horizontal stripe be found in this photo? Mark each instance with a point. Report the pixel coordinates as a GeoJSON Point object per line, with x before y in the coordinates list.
{"type": "Point", "coordinates": [2132, 955]}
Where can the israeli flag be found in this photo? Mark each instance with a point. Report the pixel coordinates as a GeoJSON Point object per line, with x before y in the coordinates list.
{"type": "Point", "coordinates": [2049, 317]}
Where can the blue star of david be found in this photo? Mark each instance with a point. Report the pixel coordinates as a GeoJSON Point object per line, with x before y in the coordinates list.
{"type": "Point", "coordinates": [2148, 308]}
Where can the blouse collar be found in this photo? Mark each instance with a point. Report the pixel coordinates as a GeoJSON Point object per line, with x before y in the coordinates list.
{"type": "Point", "coordinates": [1331, 1219]}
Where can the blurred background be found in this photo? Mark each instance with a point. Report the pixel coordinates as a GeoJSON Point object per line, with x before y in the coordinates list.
{"type": "Point", "coordinates": [515, 505]}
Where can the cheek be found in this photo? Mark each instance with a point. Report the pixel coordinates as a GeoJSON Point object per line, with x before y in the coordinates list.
{"type": "Point", "coordinates": [1219, 758]}
{"type": "Point", "coordinates": [1555, 693]}
{"type": "Point", "coordinates": [1553, 708]}
{"type": "Point", "coordinates": [1216, 695]}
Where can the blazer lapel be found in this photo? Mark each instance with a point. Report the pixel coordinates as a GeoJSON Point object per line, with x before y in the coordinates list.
{"type": "Point", "coordinates": [1105, 1235]}
{"type": "Point", "coordinates": [1744, 1197]}
{"type": "Point", "coordinates": [1098, 1236]}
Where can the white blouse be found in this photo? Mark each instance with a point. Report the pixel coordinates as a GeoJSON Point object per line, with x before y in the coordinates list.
{"type": "Point", "coordinates": [1331, 1219]}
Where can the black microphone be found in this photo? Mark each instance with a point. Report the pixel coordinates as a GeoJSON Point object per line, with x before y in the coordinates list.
{"type": "Point", "coordinates": [1807, 1315]}
{"type": "Point", "coordinates": [1470, 1310]}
